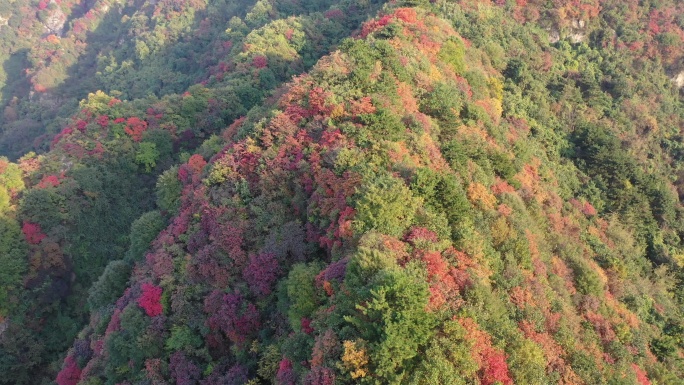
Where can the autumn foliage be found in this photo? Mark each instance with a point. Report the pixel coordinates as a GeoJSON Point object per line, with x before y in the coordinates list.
{"type": "Point", "coordinates": [424, 205]}
{"type": "Point", "coordinates": [150, 299]}
{"type": "Point", "coordinates": [70, 373]}
{"type": "Point", "coordinates": [135, 127]}
{"type": "Point", "coordinates": [32, 233]}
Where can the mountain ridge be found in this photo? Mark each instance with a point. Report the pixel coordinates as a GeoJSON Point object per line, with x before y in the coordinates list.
{"type": "Point", "coordinates": [392, 241]}
{"type": "Point", "coordinates": [456, 195]}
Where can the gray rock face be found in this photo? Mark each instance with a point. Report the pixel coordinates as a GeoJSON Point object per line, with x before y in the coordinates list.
{"type": "Point", "coordinates": [554, 36]}
{"type": "Point", "coordinates": [575, 32]}
{"type": "Point", "coordinates": [54, 23]}
{"type": "Point", "coordinates": [578, 24]}
{"type": "Point", "coordinates": [678, 80]}
{"type": "Point", "coordinates": [577, 37]}
{"type": "Point", "coordinates": [578, 34]}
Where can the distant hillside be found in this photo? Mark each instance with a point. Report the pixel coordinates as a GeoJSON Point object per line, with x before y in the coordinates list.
{"type": "Point", "coordinates": [57, 52]}
{"type": "Point", "coordinates": [444, 193]}
{"type": "Point", "coordinates": [98, 174]}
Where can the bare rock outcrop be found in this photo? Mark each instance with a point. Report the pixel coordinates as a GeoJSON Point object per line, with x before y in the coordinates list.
{"type": "Point", "coordinates": [54, 22]}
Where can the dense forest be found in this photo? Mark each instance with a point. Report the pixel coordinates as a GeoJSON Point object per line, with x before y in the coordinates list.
{"type": "Point", "coordinates": [212, 192]}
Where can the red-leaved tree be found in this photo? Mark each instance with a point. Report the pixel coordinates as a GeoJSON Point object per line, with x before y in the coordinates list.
{"type": "Point", "coordinates": [135, 127]}
{"type": "Point", "coordinates": [48, 181]}
{"type": "Point", "coordinates": [261, 273]}
{"type": "Point", "coordinates": [493, 366]}
{"type": "Point", "coordinates": [259, 61]}
{"type": "Point", "coordinates": [183, 370]}
{"type": "Point", "coordinates": [33, 233]}
{"type": "Point", "coordinates": [150, 299]}
{"type": "Point", "coordinates": [70, 373]}
{"type": "Point", "coordinates": [233, 315]}
{"type": "Point", "coordinates": [285, 375]}
{"type": "Point", "coordinates": [642, 379]}
{"type": "Point", "coordinates": [320, 376]}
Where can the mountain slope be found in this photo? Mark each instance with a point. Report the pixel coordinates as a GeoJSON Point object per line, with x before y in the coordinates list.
{"type": "Point", "coordinates": [494, 186]}
{"type": "Point", "coordinates": [419, 208]}
{"type": "Point", "coordinates": [78, 202]}
{"type": "Point", "coordinates": [135, 49]}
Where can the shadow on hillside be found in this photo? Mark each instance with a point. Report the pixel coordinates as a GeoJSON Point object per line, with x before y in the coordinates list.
{"type": "Point", "coordinates": [171, 69]}
{"type": "Point", "coordinates": [18, 131]}
{"type": "Point", "coordinates": [17, 83]}
{"type": "Point", "coordinates": [48, 112]}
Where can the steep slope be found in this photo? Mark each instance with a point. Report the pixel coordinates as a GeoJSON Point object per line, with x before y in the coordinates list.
{"type": "Point", "coordinates": [419, 208]}
{"type": "Point", "coordinates": [76, 203]}
{"type": "Point", "coordinates": [135, 49]}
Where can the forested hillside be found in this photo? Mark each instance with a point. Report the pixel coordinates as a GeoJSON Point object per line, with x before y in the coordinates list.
{"type": "Point", "coordinates": [76, 201]}
{"type": "Point", "coordinates": [57, 52]}
{"type": "Point", "coordinates": [448, 192]}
